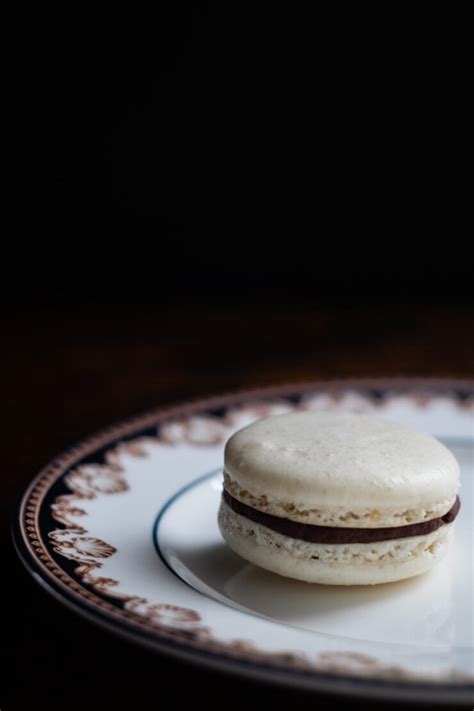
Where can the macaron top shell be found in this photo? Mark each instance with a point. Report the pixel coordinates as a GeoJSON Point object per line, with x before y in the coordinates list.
{"type": "Point", "coordinates": [342, 460]}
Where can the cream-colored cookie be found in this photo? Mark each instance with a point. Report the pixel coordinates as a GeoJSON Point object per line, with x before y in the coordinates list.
{"type": "Point", "coordinates": [338, 498]}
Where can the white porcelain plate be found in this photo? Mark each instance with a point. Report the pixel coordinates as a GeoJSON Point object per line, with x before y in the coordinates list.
{"type": "Point", "coordinates": [123, 529]}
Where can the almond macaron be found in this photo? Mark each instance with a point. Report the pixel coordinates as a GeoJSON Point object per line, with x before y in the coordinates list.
{"type": "Point", "coordinates": [338, 498]}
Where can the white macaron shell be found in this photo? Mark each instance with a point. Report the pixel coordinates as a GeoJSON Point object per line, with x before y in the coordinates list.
{"type": "Point", "coordinates": [326, 459]}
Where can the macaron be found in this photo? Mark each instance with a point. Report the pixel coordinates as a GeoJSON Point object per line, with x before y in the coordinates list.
{"type": "Point", "coordinates": [338, 498]}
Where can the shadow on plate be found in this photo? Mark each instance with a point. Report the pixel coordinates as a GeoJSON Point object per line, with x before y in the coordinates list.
{"type": "Point", "coordinates": [216, 569]}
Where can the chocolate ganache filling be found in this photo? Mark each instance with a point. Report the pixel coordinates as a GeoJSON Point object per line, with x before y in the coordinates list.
{"type": "Point", "coordinates": [332, 534]}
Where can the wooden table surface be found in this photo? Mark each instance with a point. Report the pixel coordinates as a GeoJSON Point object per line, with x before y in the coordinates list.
{"type": "Point", "coordinates": [70, 370]}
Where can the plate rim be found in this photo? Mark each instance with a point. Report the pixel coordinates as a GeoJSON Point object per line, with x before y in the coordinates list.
{"type": "Point", "coordinates": [369, 686]}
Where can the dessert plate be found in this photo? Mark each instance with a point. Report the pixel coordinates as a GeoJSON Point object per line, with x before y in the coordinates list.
{"type": "Point", "coordinates": [122, 528]}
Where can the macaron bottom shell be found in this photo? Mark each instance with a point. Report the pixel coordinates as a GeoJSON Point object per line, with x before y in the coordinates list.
{"type": "Point", "coordinates": [336, 564]}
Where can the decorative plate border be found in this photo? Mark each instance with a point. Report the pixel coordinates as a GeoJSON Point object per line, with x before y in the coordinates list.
{"type": "Point", "coordinates": [179, 629]}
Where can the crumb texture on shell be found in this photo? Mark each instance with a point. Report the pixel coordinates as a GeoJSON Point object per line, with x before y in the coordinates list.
{"type": "Point", "coordinates": [338, 515]}
{"type": "Point", "coordinates": [338, 564]}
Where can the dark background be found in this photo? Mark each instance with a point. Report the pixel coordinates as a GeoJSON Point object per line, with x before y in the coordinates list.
{"type": "Point", "coordinates": [191, 153]}
{"type": "Point", "coordinates": [205, 201]}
